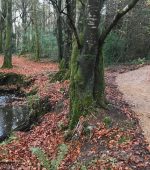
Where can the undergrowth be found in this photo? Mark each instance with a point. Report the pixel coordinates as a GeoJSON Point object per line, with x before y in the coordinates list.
{"type": "Point", "coordinates": [44, 160]}
{"type": "Point", "coordinates": [11, 138]}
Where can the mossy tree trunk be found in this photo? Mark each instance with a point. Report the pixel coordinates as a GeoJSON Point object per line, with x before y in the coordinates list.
{"type": "Point", "coordinates": [8, 42]}
{"type": "Point", "coordinates": [84, 66]}
{"type": "Point", "coordinates": [87, 63]}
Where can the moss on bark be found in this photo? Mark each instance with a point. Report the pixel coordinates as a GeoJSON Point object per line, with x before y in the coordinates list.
{"type": "Point", "coordinates": [99, 84]}
{"type": "Point", "coordinates": [80, 102]}
{"type": "Point", "coordinates": [85, 95]}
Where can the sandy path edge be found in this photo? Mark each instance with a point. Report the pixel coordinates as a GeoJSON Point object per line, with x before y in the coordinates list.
{"type": "Point", "coordinates": [135, 86]}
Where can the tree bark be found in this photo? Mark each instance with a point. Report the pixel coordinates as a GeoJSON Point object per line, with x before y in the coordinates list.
{"type": "Point", "coordinates": [1, 47]}
{"type": "Point", "coordinates": [36, 29]}
{"type": "Point", "coordinates": [24, 26]}
{"type": "Point", "coordinates": [2, 25]}
{"type": "Point", "coordinates": [68, 32]}
{"type": "Point", "coordinates": [87, 64]}
{"type": "Point", "coordinates": [8, 42]}
{"type": "Point", "coordinates": [59, 32]}
{"type": "Point", "coordinates": [82, 68]}
{"type": "Point", "coordinates": [1, 36]}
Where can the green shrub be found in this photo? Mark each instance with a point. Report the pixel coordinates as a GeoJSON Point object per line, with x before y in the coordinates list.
{"type": "Point", "coordinates": [107, 121]}
{"type": "Point", "coordinates": [33, 100]}
{"type": "Point", "coordinates": [139, 61]}
{"type": "Point", "coordinates": [114, 49]}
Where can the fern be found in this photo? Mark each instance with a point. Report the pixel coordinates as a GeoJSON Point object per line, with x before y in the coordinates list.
{"type": "Point", "coordinates": [43, 158]}
{"type": "Point", "coordinates": [11, 138]}
{"type": "Point", "coordinates": [60, 156]}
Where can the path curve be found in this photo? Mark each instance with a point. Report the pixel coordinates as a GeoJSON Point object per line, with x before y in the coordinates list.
{"type": "Point", "coordinates": [135, 86]}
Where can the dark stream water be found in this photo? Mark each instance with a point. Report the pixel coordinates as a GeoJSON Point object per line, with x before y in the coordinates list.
{"type": "Point", "coordinates": [13, 114]}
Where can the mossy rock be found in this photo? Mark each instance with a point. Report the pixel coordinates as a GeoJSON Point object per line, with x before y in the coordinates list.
{"type": "Point", "coordinates": [11, 79]}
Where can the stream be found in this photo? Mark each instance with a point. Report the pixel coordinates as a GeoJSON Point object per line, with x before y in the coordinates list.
{"type": "Point", "coordinates": [13, 114]}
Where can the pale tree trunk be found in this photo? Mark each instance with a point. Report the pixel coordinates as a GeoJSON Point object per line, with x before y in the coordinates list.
{"type": "Point", "coordinates": [59, 31]}
{"type": "Point", "coordinates": [44, 17]}
{"type": "Point", "coordinates": [8, 42]}
{"type": "Point", "coordinates": [24, 26]}
{"type": "Point", "coordinates": [36, 29]}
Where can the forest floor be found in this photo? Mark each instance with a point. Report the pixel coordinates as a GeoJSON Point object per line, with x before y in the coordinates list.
{"type": "Point", "coordinates": [111, 140]}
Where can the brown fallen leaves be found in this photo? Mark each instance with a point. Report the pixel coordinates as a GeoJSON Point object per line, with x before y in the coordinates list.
{"type": "Point", "coordinates": [27, 67]}
{"type": "Point", "coordinates": [118, 147]}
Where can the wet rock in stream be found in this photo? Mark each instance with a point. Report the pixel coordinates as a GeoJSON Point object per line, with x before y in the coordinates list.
{"type": "Point", "coordinates": [14, 112]}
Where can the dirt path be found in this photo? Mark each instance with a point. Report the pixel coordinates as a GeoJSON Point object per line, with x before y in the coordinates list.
{"type": "Point", "coordinates": [135, 86]}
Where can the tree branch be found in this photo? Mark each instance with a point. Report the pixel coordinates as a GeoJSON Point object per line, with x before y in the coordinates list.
{"type": "Point", "coordinates": [117, 17]}
{"type": "Point", "coordinates": [72, 25]}
{"type": "Point", "coordinates": [71, 22]}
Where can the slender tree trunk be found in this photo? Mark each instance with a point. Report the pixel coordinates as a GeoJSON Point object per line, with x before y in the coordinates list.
{"type": "Point", "coordinates": [1, 30]}
{"type": "Point", "coordinates": [2, 25]}
{"type": "Point", "coordinates": [44, 17]}
{"type": "Point", "coordinates": [24, 26]}
{"type": "Point", "coordinates": [8, 44]}
{"type": "Point", "coordinates": [71, 12]}
{"type": "Point", "coordinates": [36, 28]}
{"type": "Point", "coordinates": [59, 32]}
{"type": "Point", "coordinates": [1, 37]}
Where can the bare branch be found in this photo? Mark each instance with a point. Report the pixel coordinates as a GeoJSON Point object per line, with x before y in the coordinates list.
{"type": "Point", "coordinates": [71, 22]}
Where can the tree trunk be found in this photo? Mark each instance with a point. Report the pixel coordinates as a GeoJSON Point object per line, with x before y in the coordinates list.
{"type": "Point", "coordinates": [36, 29]}
{"type": "Point", "coordinates": [59, 32]}
{"type": "Point", "coordinates": [1, 37]}
{"type": "Point", "coordinates": [2, 26]}
{"type": "Point", "coordinates": [87, 64]}
{"type": "Point", "coordinates": [24, 26]}
{"type": "Point", "coordinates": [8, 44]}
{"type": "Point", "coordinates": [1, 30]}
{"type": "Point", "coordinates": [44, 17]}
{"type": "Point", "coordinates": [99, 82]}
{"type": "Point", "coordinates": [85, 67]}
{"type": "Point", "coordinates": [71, 6]}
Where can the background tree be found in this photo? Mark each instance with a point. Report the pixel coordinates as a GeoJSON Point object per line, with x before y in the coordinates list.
{"type": "Point", "coordinates": [8, 41]}
{"type": "Point", "coordinates": [36, 29]}
{"type": "Point", "coordinates": [2, 24]}
{"type": "Point", "coordinates": [125, 42]}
